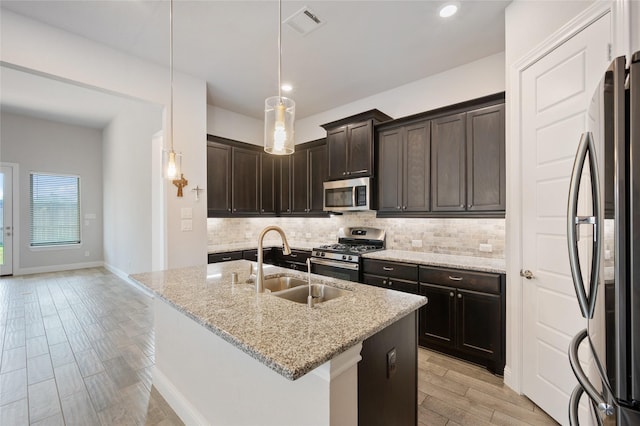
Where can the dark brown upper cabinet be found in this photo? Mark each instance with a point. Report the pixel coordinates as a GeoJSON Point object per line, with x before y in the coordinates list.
{"type": "Point", "coordinates": [350, 145]}
{"type": "Point", "coordinates": [448, 171]}
{"type": "Point", "coordinates": [218, 179]}
{"type": "Point", "coordinates": [245, 192]}
{"type": "Point", "coordinates": [486, 159]}
{"type": "Point", "coordinates": [403, 168]}
{"type": "Point", "coordinates": [240, 179]}
{"type": "Point", "coordinates": [468, 161]}
{"type": "Point", "coordinates": [308, 172]}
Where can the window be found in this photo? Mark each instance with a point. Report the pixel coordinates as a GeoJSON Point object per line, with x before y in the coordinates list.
{"type": "Point", "coordinates": [55, 210]}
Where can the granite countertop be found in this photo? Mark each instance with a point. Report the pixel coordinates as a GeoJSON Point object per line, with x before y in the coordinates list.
{"type": "Point", "coordinates": [442, 260]}
{"type": "Point", "coordinates": [297, 245]}
{"type": "Point", "coordinates": [287, 337]}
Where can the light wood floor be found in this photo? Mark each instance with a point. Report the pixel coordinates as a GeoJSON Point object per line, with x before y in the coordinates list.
{"type": "Point", "coordinates": [453, 392]}
{"type": "Point", "coordinates": [77, 348]}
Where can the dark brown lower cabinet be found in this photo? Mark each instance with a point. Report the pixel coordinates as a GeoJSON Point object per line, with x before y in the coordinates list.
{"type": "Point", "coordinates": [224, 257]}
{"type": "Point", "coordinates": [388, 374]}
{"type": "Point", "coordinates": [464, 316]}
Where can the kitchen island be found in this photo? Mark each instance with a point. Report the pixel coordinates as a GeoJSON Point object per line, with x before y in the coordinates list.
{"type": "Point", "coordinates": [226, 355]}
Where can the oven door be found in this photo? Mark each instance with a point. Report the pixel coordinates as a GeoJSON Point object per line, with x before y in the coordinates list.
{"type": "Point", "coordinates": [336, 269]}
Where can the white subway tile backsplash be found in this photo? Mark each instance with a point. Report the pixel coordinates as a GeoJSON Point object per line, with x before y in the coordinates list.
{"type": "Point", "coordinates": [445, 236]}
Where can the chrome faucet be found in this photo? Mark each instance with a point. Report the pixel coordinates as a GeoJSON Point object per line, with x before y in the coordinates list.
{"type": "Point", "coordinates": [285, 249]}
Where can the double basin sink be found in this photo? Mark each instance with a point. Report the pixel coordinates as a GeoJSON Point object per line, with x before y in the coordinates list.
{"type": "Point", "coordinates": [297, 290]}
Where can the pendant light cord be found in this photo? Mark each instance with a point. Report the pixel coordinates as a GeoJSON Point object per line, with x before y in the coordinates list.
{"type": "Point", "coordinates": [171, 69]}
{"type": "Point", "coordinates": [280, 50]}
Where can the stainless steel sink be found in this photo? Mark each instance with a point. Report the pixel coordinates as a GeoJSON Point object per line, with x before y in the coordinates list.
{"type": "Point", "coordinates": [282, 283]}
{"type": "Point", "coordinates": [320, 292]}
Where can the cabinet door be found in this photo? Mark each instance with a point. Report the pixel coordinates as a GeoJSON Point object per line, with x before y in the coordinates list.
{"type": "Point", "coordinates": [299, 183]}
{"type": "Point", "coordinates": [479, 323]}
{"type": "Point", "coordinates": [218, 179]}
{"type": "Point", "coordinates": [245, 181]}
{"type": "Point", "coordinates": [416, 167]}
{"type": "Point", "coordinates": [360, 149]}
{"type": "Point", "coordinates": [448, 163]}
{"type": "Point", "coordinates": [337, 152]}
{"type": "Point", "coordinates": [485, 159]}
{"type": "Point", "coordinates": [437, 317]}
{"type": "Point", "coordinates": [268, 184]}
{"type": "Point", "coordinates": [284, 194]}
{"type": "Point", "coordinates": [390, 170]}
{"type": "Point", "coordinates": [317, 176]}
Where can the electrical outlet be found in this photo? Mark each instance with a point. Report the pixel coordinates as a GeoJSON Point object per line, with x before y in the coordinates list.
{"type": "Point", "coordinates": [486, 248]}
{"type": "Point", "coordinates": [607, 255]}
{"type": "Point", "coordinates": [416, 243]}
{"type": "Point", "coordinates": [391, 363]}
{"type": "Point", "coordinates": [186, 225]}
{"type": "Point", "coordinates": [86, 253]}
{"type": "Point", "coordinates": [307, 235]}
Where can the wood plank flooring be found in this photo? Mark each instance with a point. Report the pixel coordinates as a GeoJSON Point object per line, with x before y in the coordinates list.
{"type": "Point", "coordinates": [77, 348]}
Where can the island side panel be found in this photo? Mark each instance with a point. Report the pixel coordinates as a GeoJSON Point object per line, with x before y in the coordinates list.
{"type": "Point", "coordinates": [207, 380]}
{"type": "Point", "coordinates": [388, 395]}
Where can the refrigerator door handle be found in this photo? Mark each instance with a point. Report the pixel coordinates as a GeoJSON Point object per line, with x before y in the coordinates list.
{"type": "Point", "coordinates": [574, 401]}
{"type": "Point", "coordinates": [587, 303]}
{"type": "Point", "coordinates": [583, 381]}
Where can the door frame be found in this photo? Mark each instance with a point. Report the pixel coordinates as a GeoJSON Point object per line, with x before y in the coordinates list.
{"type": "Point", "coordinates": [15, 210]}
{"type": "Point", "coordinates": [621, 35]}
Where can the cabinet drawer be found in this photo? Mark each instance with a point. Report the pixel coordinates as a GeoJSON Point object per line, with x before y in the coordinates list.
{"type": "Point", "coordinates": [297, 256]}
{"type": "Point", "coordinates": [225, 257]}
{"type": "Point", "coordinates": [404, 271]}
{"type": "Point", "coordinates": [391, 283]}
{"type": "Point", "coordinates": [478, 281]}
{"type": "Point", "coordinates": [253, 255]}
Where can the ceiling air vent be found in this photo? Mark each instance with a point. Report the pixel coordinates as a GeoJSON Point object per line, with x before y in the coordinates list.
{"type": "Point", "coordinates": [304, 21]}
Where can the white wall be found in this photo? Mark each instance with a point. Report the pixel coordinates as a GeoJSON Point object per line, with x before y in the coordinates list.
{"type": "Point", "coordinates": [635, 27]}
{"type": "Point", "coordinates": [473, 80]}
{"type": "Point", "coordinates": [228, 124]}
{"type": "Point", "coordinates": [529, 22]}
{"type": "Point", "coordinates": [127, 153]}
{"type": "Point", "coordinates": [39, 48]}
{"type": "Point", "coordinates": [38, 145]}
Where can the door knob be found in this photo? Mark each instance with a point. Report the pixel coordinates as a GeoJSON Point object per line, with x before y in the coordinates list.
{"type": "Point", "coordinates": [527, 274]}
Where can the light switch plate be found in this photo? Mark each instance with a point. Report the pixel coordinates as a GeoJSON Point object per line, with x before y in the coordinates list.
{"type": "Point", "coordinates": [186, 225]}
{"type": "Point", "coordinates": [486, 248]}
{"type": "Point", "coordinates": [186, 213]}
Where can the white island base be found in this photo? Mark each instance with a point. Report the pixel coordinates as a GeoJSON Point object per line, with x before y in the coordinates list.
{"type": "Point", "coordinates": [208, 381]}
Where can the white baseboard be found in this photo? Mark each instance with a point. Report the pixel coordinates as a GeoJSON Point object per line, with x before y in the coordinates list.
{"type": "Point", "coordinates": [57, 268]}
{"type": "Point", "coordinates": [509, 380]}
{"type": "Point", "coordinates": [183, 408]}
{"type": "Point", "coordinates": [125, 277]}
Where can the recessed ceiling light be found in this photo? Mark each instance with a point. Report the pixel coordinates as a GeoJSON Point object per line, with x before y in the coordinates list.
{"type": "Point", "coordinates": [448, 10]}
{"type": "Point", "coordinates": [286, 87]}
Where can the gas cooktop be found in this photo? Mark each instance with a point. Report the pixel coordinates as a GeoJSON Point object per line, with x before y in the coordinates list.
{"type": "Point", "coordinates": [351, 243]}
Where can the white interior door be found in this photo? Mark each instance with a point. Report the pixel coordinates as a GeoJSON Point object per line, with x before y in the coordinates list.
{"type": "Point", "coordinates": [6, 218]}
{"type": "Point", "coordinates": [555, 96]}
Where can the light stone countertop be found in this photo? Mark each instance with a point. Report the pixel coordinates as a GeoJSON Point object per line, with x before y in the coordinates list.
{"type": "Point", "coordinates": [441, 260]}
{"type": "Point", "coordinates": [298, 245]}
{"type": "Point", "coordinates": [287, 337]}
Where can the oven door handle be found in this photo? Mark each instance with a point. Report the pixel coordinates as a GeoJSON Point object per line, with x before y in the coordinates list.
{"type": "Point", "coordinates": [341, 265]}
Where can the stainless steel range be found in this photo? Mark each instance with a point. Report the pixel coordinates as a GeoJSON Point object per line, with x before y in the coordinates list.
{"type": "Point", "coordinates": [343, 260]}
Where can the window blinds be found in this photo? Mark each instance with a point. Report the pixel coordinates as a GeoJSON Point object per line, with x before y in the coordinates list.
{"type": "Point", "coordinates": [55, 209]}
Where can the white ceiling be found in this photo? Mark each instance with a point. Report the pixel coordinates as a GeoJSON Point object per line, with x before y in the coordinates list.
{"type": "Point", "coordinates": [364, 47]}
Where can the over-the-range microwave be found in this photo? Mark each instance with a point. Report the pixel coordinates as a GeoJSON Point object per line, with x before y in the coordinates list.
{"type": "Point", "coordinates": [347, 195]}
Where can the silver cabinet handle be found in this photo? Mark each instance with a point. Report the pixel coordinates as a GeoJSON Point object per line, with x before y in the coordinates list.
{"type": "Point", "coordinates": [451, 294]}
{"type": "Point", "coordinates": [587, 303]}
{"type": "Point", "coordinates": [390, 282]}
{"type": "Point", "coordinates": [226, 258]}
{"type": "Point", "coordinates": [387, 268]}
{"type": "Point", "coordinates": [293, 255]}
{"type": "Point", "coordinates": [459, 296]}
{"type": "Point", "coordinates": [455, 278]}
{"type": "Point", "coordinates": [583, 380]}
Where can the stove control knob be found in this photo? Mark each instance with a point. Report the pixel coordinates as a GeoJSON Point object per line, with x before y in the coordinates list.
{"type": "Point", "coordinates": [350, 257]}
{"type": "Point", "coordinates": [344, 257]}
{"type": "Point", "coordinates": [322, 255]}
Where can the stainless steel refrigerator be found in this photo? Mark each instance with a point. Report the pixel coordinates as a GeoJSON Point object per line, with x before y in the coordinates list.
{"type": "Point", "coordinates": [603, 230]}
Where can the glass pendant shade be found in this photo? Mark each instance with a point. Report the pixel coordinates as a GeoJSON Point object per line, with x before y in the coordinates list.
{"type": "Point", "coordinates": [279, 116]}
{"type": "Point", "coordinates": [172, 164]}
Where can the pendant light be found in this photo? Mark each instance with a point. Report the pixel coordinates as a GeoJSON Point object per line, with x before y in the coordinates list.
{"type": "Point", "coordinates": [279, 112]}
{"type": "Point", "coordinates": [172, 165]}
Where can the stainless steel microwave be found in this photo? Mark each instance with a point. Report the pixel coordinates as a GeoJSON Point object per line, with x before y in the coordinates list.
{"type": "Point", "coordinates": [347, 195]}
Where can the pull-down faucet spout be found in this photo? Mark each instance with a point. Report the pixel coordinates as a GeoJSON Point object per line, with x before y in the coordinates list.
{"type": "Point", "coordinates": [285, 249]}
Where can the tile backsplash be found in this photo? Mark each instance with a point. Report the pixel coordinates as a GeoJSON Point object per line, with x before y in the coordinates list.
{"type": "Point", "coordinates": [447, 236]}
